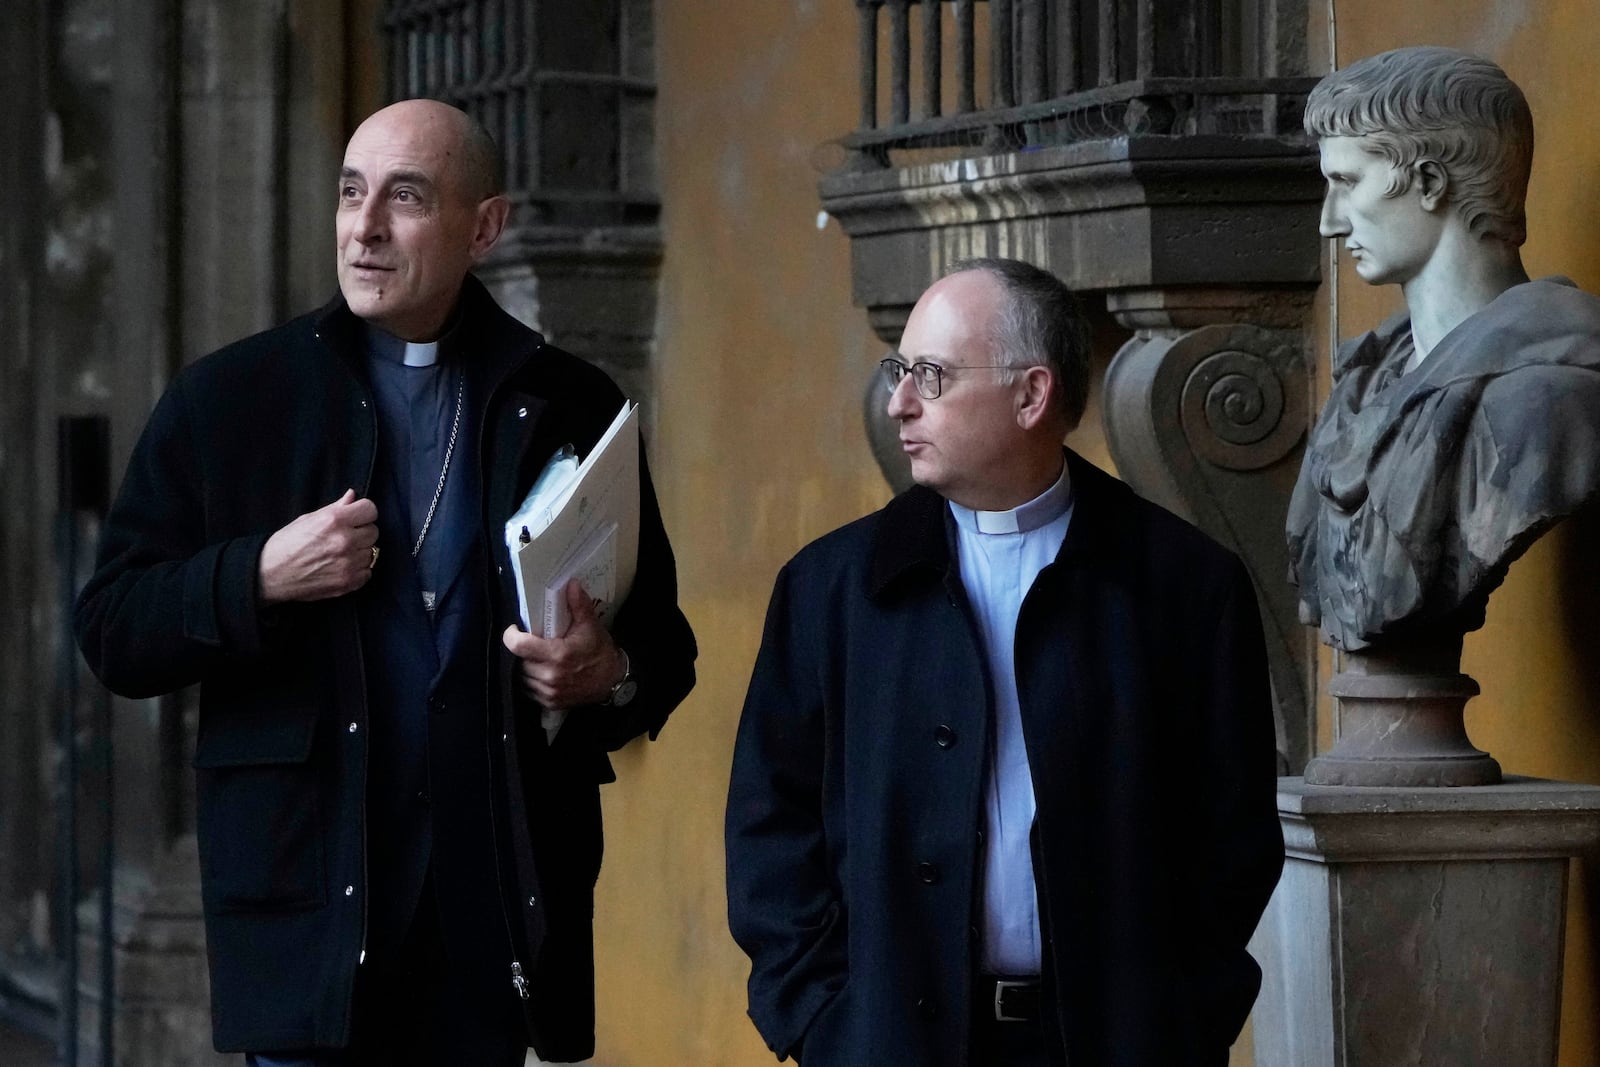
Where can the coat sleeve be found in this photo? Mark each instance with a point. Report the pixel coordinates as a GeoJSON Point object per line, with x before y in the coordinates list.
{"type": "Point", "coordinates": [1239, 846]}
{"type": "Point", "coordinates": [785, 908]}
{"type": "Point", "coordinates": [652, 629]}
{"type": "Point", "coordinates": [166, 604]}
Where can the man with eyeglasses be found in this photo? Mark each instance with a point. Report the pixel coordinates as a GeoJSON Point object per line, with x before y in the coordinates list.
{"type": "Point", "coordinates": [1003, 788]}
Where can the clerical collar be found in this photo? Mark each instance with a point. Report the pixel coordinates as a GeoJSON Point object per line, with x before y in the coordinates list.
{"type": "Point", "coordinates": [1042, 510]}
{"type": "Point", "coordinates": [387, 346]}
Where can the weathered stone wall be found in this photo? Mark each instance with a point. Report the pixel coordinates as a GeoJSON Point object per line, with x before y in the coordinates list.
{"type": "Point", "coordinates": [174, 164]}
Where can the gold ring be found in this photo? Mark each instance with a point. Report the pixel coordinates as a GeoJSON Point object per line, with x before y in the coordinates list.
{"type": "Point", "coordinates": [374, 562]}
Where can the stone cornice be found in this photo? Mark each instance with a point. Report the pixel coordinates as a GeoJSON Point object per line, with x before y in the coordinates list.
{"type": "Point", "coordinates": [1125, 213]}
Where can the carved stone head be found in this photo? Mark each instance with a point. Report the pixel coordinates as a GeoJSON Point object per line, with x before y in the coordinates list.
{"type": "Point", "coordinates": [1460, 430]}
{"type": "Point", "coordinates": [1454, 108]}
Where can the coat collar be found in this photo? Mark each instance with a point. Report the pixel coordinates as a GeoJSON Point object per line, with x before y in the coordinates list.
{"type": "Point", "coordinates": [497, 343]}
{"type": "Point", "coordinates": [916, 533]}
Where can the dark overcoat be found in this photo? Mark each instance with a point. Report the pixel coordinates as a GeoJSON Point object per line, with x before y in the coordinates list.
{"type": "Point", "coordinates": [856, 798]}
{"type": "Point", "coordinates": [245, 440]}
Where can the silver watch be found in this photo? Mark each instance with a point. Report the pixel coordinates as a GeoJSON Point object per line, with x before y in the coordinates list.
{"type": "Point", "coordinates": [627, 688]}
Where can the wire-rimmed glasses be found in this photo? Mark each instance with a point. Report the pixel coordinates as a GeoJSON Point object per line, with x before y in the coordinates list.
{"type": "Point", "coordinates": [927, 377]}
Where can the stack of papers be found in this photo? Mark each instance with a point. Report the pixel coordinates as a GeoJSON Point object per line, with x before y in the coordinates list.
{"type": "Point", "coordinates": [580, 520]}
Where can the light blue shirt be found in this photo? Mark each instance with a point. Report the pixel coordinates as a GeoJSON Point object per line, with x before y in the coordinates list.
{"type": "Point", "coordinates": [1001, 553]}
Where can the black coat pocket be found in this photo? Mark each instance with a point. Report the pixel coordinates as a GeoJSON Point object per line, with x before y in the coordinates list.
{"type": "Point", "coordinates": [258, 808]}
{"type": "Point", "coordinates": [260, 832]}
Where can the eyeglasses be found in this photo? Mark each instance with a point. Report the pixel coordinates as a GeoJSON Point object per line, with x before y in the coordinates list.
{"type": "Point", "coordinates": [927, 377]}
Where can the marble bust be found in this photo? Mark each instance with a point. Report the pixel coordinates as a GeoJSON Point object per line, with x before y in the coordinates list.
{"type": "Point", "coordinates": [1464, 427]}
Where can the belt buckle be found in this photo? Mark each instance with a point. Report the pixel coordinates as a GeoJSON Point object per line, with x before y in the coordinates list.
{"type": "Point", "coordinates": [1001, 985]}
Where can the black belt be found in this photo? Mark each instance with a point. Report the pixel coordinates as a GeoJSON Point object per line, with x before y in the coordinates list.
{"type": "Point", "coordinates": [1007, 1000]}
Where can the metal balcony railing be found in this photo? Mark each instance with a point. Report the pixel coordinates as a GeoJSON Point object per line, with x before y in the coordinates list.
{"type": "Point", "coordinates": [1065, 70]}
{"type": "Point", "coordinates": [551, 81]}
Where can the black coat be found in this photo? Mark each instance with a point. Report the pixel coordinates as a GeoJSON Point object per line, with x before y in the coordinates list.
{"type": "Point", "coordinates": [857, 791]}
{"type": "Point", "coordinates": [244, 441]}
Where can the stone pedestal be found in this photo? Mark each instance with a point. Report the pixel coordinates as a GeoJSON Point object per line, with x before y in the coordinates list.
{"type": "Point", "coordinates": [1400, 720]}
{"type": "Point", "coordinates": [1419, 926]}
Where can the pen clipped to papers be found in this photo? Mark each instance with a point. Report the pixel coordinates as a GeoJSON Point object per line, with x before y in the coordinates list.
{"type": "Point", "coordinates": [580, 520]}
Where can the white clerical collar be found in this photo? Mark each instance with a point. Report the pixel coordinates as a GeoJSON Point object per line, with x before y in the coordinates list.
{"type": "Point", "coordinates": [421, 355]}
{"type": "Point", "coordinates": [1042, 510]}
{"type": "Point", "coordinates": [392, 348]}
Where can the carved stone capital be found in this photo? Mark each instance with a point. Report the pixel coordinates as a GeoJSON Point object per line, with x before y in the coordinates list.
{"type": "Point", "coordinates": [1170, 309]}
{"type": "Point", "coordinates": [1210, 423]}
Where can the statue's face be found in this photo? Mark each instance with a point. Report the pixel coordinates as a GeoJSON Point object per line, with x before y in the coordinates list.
{"type": "Point", "coordinates": [1390, 238]}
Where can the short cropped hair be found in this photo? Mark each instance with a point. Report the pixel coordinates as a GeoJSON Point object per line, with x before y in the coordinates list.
{"type": "Point", "coordinates": [1040, 324]}
{"type": "Point", "coordinates": [1438, 103]}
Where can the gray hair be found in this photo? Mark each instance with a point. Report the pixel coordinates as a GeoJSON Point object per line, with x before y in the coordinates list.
{"type": "Point", "coordinates": [1433, 103]}
{"type": "Point", "coordinates": [1039, 324]}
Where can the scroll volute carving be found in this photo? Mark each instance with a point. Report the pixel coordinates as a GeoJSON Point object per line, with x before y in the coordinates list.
{"type": "Point", "coordinates": [1210, 424]}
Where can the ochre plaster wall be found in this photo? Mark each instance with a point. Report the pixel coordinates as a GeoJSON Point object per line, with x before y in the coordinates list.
{"type": "Point", "coordinates": [758, 448]}
{"type": "Point", "coordinates": [1535, 658]}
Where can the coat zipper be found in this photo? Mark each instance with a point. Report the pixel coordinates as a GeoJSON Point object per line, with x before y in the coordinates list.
{"type": "Point", "coordinates": [367, 405]}
{"type": "Point", "coordinates": [519, 981]}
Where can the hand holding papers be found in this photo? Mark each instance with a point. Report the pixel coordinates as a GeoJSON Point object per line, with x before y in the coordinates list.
{"type": "Point", "coordinates": [580, 520]}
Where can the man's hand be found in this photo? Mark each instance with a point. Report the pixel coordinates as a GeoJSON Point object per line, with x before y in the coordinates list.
{"type": "Point", "coordinates": [324, 553]}
{"type": "Point", "coordinates": [577, 668]}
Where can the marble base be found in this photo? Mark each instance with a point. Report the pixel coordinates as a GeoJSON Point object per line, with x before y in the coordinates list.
{"type": "Point", "coordinates": [1419, 926]}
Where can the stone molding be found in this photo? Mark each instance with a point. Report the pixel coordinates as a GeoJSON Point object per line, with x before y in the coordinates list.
{"type": "Point", "coordinates": [1131, 213]}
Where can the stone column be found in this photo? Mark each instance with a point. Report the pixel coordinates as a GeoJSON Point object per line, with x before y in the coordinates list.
{"type": "Point", "coordinates": [159, 961]}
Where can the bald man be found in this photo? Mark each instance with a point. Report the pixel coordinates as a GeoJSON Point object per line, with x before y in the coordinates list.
{"type": "Point", "coordinates": [1003, 793]}
{"type": "Point", "coordinates": [397, 861]}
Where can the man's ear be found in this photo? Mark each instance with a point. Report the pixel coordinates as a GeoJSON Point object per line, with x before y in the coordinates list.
{"type": "Point", "coordinates": [491, 223]}
{"type": "Point", "coordinates": [1035, 390]}
{"type": "Point", "coordinates": [1433, 183]}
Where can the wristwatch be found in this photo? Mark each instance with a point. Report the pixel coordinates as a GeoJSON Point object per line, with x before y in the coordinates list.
{"type": "Point", "coordinates": [627, 688]}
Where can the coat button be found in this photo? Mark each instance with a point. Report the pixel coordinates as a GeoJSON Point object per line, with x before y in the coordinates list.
{"type": "Point", "coordinates": [422, 796]}
{"type": "Point", "coordinates": [944, 737]}
{"type": "Point", "coordinates": [349, 890]}
{"type": "Point", "coordinates": [353, 727]}
{"type": "Point", "coordinates": [927, 1008]}
{"type": "Point", "coordinates": [927, 873]}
